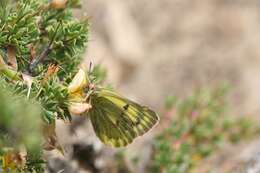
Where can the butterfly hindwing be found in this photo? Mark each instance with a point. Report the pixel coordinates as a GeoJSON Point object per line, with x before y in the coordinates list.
{"type": "Point", "coordinates": [112, 136]}
{"type": "Point", "coordinates": [106, 125]}
{"type": "Point", "coordinates": [117, 121]}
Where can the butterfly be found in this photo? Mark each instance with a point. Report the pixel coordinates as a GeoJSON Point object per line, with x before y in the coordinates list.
{"type": "Point", "coordinates": [116, 120]}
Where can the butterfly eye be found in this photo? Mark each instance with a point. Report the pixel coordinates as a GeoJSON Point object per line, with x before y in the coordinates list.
{"type": "Point", "coordinates": [126, 107]}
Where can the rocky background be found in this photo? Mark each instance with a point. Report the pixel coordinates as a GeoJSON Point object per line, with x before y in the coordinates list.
{"type": "Point", "coordinates": [153, 49]}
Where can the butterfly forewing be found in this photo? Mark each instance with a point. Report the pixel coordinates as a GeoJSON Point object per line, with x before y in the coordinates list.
{"type": "Point", "coordinates": [117, 121]}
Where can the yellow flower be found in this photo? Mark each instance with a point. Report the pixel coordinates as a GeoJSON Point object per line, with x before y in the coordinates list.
{"type": "Point", "coordinates": [78, 108]}
{"type": "Point", "coordinates": [196, 158]}
{"type": "Point", "coordinates": [14, 159]}
{"type": "Point", "coordinates": [79, 82]}
{"type": "Point", "coordinates": [77, 98]}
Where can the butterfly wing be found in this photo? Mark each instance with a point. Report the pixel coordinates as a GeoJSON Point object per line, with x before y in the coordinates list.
{"type": "Point", "coordinates": [116, 120]}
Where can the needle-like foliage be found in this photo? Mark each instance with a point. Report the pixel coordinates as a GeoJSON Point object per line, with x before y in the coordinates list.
{"type": "Point", "coordinates": [41, 46]}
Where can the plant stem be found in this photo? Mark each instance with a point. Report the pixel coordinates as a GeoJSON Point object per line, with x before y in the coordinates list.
{"type": "Point", "coordinates": [5, 70]}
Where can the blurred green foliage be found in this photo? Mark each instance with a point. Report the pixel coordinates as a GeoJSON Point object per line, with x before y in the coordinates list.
{"type": "Point", "coordinates": [16, 112]}
{"type": "Point", "coordinates": [19, 125]}
{"type": "Point", "coordinates": [199, 125]}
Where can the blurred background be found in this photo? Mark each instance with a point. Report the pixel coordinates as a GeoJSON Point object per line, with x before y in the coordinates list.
{"type": "Point", "coordinates": [155, 48]}
{"type": "Point", "coordinates": [156, 51]}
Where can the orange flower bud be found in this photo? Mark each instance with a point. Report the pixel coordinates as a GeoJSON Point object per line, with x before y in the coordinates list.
{"type": "Point", "coordinates": [58, 4]}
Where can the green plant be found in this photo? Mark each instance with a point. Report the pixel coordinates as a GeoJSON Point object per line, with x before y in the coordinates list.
{"type": "Point", "coordinates": [199, 125]}
{"type": "Point", "coordinates": [41, 44]}
{"type": "Point", "coordinates": [15, 131]}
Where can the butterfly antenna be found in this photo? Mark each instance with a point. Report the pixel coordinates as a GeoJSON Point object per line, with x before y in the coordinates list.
{"type": "Point", "coordinates": [90, 70]}
{"type": "Point", "coordinates": [90, 67]}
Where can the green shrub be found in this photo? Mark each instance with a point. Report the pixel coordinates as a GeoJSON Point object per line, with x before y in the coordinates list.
{"type": "Point", "coordinates": [199, 125]}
